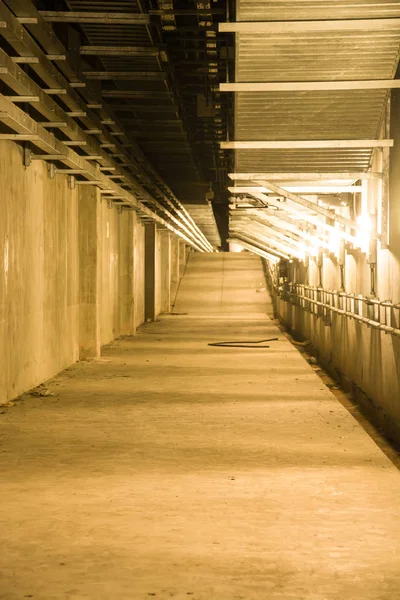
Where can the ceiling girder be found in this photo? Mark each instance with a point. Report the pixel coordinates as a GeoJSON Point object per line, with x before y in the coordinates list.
{"type": "Point", "coordinates": [268, 233]}
{"type": "Point", "coordinates": [303, 144]}
{"type": "Point", "coordinates": [95, 17]}
{"type": "Point", "coordinates": [126, 75]}
{"type": "Point", "coordinates": [329, 25]}
{"type": "Point", "coordinates": [312, 86]}
{"type": "Point", "coordinates": [303, 216]}
{"type": "Point", "coordinates": [143, 51]}
{"type": "Point", "coordinates": [252, 248]}
{"type": "Point", "coordinates": [246, 237]}
{"type": "Point", "coordinates": [301, 176]}
{"type": "Point", "coordinates": [330, 214]}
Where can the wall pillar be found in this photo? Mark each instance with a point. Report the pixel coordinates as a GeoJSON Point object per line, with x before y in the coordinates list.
{"type": "Point", "coordinates": [165, 238]}
{"type": "Point", "coordinates": [126, 272]}
{"type": "Point", "coordinates": [139, 279]}
{"type": "Point", "coordinates": [182, 257]}
{"type": "Point", "coordinates": [89, 329]}
{"type": "Point", "coordinates": [150, 238]}
{"type": "Point", "coordinates": [174, 266]}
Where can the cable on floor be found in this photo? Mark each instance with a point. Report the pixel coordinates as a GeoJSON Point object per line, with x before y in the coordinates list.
{"type": "Point", "coordinates": [243, 344]}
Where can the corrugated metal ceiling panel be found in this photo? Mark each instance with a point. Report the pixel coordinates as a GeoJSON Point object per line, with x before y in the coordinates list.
{"type": "Point", "coordinates": [248, 161]}
{"type": "Point", "coordinates": [285, 10]}
{"type": "Point", "coordinates": [317, 57]}
{"type": "Point", "coordinates": [340, 114]}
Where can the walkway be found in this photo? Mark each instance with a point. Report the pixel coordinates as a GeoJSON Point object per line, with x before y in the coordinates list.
{"type": "Point", "coordinates": [171, 469]}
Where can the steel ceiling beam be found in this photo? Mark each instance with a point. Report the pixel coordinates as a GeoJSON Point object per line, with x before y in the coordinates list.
{"type": "Point", "coordinates": [331, 25]}
{"type": "Point", "coordinates": [275, 221]}
{"type": "Point", "coordinates": [245, 236]}
{"type": "Point", "coordinates": [305, 86]}
{"type": "Point", "coordinates": [253, 249]}
{"type": "Point", "coordinates": [272, 243]}
{"type": "Point", "coordinates": [188, 12]}
{"type": "Point", "coordinates": [302, 216]}
{"type": "Point", "coordinates": [280, 215]}
{"type": "Point", "coordinates": [248, 239]}
{"type": "Point", "coordinates": [309, 189]}
{"type": "Point", "coordinates": [304, 234]}
{"type": "Point", "coordinates": [313, 176]}
{"type": "Point", "coordinates": [325, 212]}
{"type": "Point", "coordinates": [305, 144]}
{"type": "Point", "coordinates": [126, 75]}
{"type": "Point", "coordinates": [266, 227]}
{"type": "Point", "coordinates": [146, 51]}
{"type": "Point", "coordinates": [164, 95]}
{"type": "Point", "coordinates": [44, 34]}
{"type": "Point", "coordinates": [95, 17]}
{"type": "Point", "coordinates": [143, 107]}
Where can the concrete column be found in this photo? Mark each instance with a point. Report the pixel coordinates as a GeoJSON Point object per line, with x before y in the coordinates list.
{"type": "Point", "coordinates": [139, 279]}
{"type": "Point", "coordinates": [174, 266]}
{"type": "Point", "coordinates": [88, 223]}
{"type": "Point", "coordinates": [126, 272]}
{"type": "Point", "coordinates": [157, 289]}
{"type": "Point", "coordinates": [182, 257]}
{"type": "Point", "coordinates": [150, 237]}
{"type": "Point", "coordinates": [165, 238]}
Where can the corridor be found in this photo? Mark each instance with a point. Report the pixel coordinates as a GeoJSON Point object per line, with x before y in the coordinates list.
{"type": "Point", "coordinates": [167, 468]}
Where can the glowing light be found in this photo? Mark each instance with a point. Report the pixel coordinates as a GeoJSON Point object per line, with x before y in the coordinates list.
{"type": "Point", "coordinates": [315, 244]}
{"type": "Point", "coordinates": [364, 228]}
{"type": "Point", "coordinates": [334, 240]}
{"type": "Point", "coordinates": [235, 247]}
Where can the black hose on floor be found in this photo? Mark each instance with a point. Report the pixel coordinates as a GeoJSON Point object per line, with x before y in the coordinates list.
{"type": "Point", "coordinates": [244, 344]}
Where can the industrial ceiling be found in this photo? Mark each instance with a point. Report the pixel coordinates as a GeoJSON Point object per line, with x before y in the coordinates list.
{"type": "Point", "coordinates": [311, 89]}
{"type": "Point", "coordinates": [181, 108]}
{"type": "Point", "coordinates": [133, 82]}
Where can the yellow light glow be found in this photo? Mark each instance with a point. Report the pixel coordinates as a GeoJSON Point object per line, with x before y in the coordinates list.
{"type": "Point", "coordinates": [334, 240]}
{"type": "Point", "coordinates": [364, 228]}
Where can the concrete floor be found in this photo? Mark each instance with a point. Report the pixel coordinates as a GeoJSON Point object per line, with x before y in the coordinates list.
{"type": "Point", "coordinates": [171, 469]}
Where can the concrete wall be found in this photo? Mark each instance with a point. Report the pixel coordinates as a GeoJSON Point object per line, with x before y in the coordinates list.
{"type": "Point", "coordinates": [72, 273]}
{"type": "Point", "coordinates": [174, 267]}
{"type": "Point", "coordinates": [139, 272]}
{"type": "Point", "coordinates": [367, 360]}
{"type": "Point", "coordinates": [39, 277]}
{"type": "Point", "coordinates": [165, 260]}
{"type": "Point", "coordinates": [166, 271]}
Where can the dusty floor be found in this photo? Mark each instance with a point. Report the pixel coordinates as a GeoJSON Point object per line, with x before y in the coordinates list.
{"type": "Point", "coordinates": [171, 469]}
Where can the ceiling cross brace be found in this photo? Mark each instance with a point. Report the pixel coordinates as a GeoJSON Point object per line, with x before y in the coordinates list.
{"type": "Point", "coordinates": [325, 212]}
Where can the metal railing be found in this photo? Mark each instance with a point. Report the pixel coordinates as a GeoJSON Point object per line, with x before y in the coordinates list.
{"type": "Point", "coordinates": [383, 315]}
